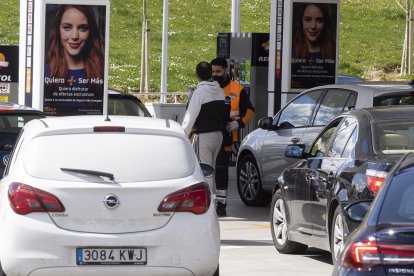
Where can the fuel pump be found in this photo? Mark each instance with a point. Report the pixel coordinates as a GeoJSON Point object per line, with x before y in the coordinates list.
{"type": "Point", "coordinates": [248, 55]}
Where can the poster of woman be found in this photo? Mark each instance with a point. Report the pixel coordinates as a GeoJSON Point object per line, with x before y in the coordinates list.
{"type": "Point", "coordinates": [314, 44]}
{"type": "Point", "coordinates": [74, 59]}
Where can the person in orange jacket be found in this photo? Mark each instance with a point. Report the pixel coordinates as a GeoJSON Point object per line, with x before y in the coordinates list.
{"type": "Point", "coordinates": [241, 112]}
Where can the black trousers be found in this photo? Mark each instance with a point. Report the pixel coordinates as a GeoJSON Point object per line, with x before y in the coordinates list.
{"type": "Point", "coordinates": [222, 175]}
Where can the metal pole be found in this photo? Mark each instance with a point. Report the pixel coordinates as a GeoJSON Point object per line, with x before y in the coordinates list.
{"type": "Point", "coordinates": [272, 62]}
{"type": "Point", "coordinates": [143, 48]}
{"type": "Point", "coordinates": [164, 55]}
{"type": "Point", "coordinates": [147, 86]}
{"type": "Point", "coordinates": [235, 16]}
{"type": "Point", "coordinates": [410, 36]}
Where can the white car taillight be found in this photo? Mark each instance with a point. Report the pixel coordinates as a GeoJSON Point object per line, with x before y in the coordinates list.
{"type": "Point", "coordinates": [25, 199]}
{"type": "Point", "coordinates": [195, 199]}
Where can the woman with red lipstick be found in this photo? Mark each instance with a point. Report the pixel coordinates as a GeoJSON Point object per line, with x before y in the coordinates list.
{"type": "Point", "coordinates": [313, 60]}
{"type": "Point", "coordinates": [74, 62]}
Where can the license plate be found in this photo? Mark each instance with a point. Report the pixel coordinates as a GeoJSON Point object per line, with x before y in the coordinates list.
{"type": "Point", "coordinates": [111, 256]}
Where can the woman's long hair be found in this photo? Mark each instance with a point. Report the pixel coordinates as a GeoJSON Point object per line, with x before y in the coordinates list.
{"type": "Point", "coordinates": [326, 39]}
{"type": "Point", "coordinates": [92, 53]}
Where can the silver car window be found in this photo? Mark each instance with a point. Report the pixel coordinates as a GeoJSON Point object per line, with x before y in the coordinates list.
{"type": "Point", "coordinates": [298, 112]}
{"type": "Point", "coordinates": [333, 104]}
{"type": "Point", "coordinates": [394, 100]}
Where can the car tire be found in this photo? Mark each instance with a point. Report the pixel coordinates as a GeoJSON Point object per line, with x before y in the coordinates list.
{"type": "Point", "coordinates": [339, 230]}
{"type": "Point", "coordinates": [217, 272]}
{"type": "Point", "coordinates": [1, 271]}
{"type": "Point", "coordinates": [249, 184]}
{"type": "Point", "coordinates": [279, 227]}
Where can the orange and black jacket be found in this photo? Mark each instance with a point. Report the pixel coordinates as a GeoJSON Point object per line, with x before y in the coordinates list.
{"type": "Point", "coordinates": [241, 108]}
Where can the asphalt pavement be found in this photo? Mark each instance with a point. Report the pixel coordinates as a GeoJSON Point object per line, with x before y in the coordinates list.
{"type": "Point", "coordinates": [247, 247]}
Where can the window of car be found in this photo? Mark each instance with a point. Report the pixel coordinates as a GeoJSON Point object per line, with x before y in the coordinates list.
{"type": "Point", "coordinates": [320, 147]}
{"type": "Point", "coordinates": [17, 121]}
{"type": "Point", "coordinates": [5, 169]}
{"type": "Point", "coordinates": [391, 99]}
{"type": "Point", "coordinates": [334, 103]}
{"type": "Point", "coordinates": [126, 106]}
{"type": "Point", "coordinates": [298, 112]}
{"type": "Point", "coordinates": [398, 206]}
{"type": "Point", "coordinates": [349, 150]}
{"type": "Point", "coordinates": [10, 127]}
{"type": "Point", "coordinates": [130, 158]}
{"type": "Point", "coordinates": [342, 136]}
{"type": "Point", "coordinates": [394, 137]}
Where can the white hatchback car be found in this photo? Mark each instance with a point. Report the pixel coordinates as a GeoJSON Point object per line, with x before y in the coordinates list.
{"type": "Point", "coordinates": [90, 195]}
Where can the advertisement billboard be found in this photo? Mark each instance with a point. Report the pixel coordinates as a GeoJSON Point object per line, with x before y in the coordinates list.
{"type": "Point", "coordinates": [9, 73]}
{"type": "Point", "coordinates": [313, 44]}
{"type": "Point", "coordinates": [74, 59]}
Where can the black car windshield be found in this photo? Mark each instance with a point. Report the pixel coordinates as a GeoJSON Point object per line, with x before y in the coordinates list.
{"type": "Point", "coordinates": [393, 137]}
{"type": "Point", "coordinates": [10, 126]}
{"type": "Point", "coordinates": [127, 107]}
{"type": "Point", "coordinates": [398, 206]}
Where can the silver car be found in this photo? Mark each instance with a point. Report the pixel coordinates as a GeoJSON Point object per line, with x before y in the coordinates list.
{"type": "Point", "coordinates": [261, 157]}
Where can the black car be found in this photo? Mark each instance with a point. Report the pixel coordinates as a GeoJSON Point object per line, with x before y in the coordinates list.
{"type": "Point", "coordinates": [347, 162]}
{"type": "Point", "coordinates": [384, 242]}
{"type": "Point", "coordinates": [12, 118]}
{"type": "Point", "coordinates": [126, 104]}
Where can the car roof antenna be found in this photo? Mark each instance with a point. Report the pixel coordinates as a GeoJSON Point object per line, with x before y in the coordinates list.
{"type": "Point", "coordinates": [107, 118]}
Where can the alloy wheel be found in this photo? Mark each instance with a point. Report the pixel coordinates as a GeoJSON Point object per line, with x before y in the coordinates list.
{"type": "Point", "coordinates": [249, 181]}
{"type": "Point", "coordinates": [279, 222]}
{"type": "Point", "coordinates": [338, 235]}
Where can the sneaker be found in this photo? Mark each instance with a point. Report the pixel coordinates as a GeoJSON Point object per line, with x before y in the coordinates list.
{"type": "Point", "coordinates": [221, 210]}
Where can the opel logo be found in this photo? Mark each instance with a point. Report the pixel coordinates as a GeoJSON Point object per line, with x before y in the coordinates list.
{"type": "Point", "coordinates": [111, 201]}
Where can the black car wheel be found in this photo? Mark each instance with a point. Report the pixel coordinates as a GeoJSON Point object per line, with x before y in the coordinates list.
{"type": "Point", "coordinates": [1, 271]}
{"type": "Point", "coordinates": [279, 227]}
{"type": "Point", "coordinates": [217, 272]}
{"type": "Point", "coordinates": [338, 233]}
{"type": "Point", "coordinates": [249, 184]}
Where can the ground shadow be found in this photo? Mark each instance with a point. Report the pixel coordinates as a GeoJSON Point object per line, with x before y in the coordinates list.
{"type": "Point", "coordinates": [318, 255]}
{"type": "Point", "coordinates": [246, 243]}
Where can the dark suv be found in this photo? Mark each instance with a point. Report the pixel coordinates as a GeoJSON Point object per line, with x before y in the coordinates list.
{"type": "Point", "coordinates": [12, 118]}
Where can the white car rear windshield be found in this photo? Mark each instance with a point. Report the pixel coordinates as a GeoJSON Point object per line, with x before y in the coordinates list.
{"type": "Point", "coordinates": [128, 157]}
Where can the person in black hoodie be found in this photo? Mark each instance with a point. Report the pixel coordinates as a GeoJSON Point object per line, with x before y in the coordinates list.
{"type": "Point", "coordinates": [204, 119]}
